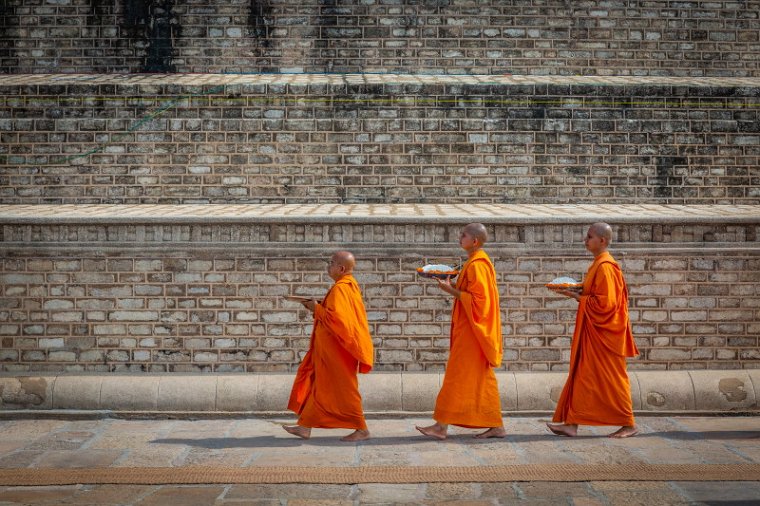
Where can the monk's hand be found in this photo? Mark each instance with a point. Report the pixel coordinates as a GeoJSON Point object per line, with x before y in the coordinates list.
{"type": "Point", "coordinates": [309, 304]}
{"type": "Point", "coordinates": [446, 286]}
{"type": "Point", "coordinates": [444, 283]}
{"type": "Point", "coordinates": [573, 293]}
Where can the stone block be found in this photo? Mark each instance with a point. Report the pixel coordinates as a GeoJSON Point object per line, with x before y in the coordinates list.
{"type": "Point", "coordinates": [507, 390]}
{"type": "Point", "coordinates": [538, 391]}
{"type": "Point", "coordinates": [273, 392]}
{"type": "Point", "coordinates": [129, 393]}
{"type": "Point", "coordinates": [26, 392]}
{"type": "Point", "coordinates": [635, 391]}
{"type": "Point", "coordinates": [665, 390]}
{"type": "Point", "coordinates": [187, 393]}
{"type": "Point", "coordinates": [723, 390]}
{"type": "Point", "coordinates": [237, 392]}
{"type": "Point", "coordinates": [381, 391]}
{"type": "Point", "coordinates": [77, 392]}
{"type": "Point", "coordinates": [419, 391]}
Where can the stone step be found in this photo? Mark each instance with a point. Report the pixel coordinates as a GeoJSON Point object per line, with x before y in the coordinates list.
{"type": "Point", "coordinates": [158, 288]}
{"type": "Point", "coordinates": [437, 36]}
{"type": "Point", "coordinates": [385, 139]}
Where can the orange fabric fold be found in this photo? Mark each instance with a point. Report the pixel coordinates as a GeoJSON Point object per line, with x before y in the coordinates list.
{"type": "Point", "coordinates": [598, 391]}
{"type": "Point", "coordinates": [325, 392]}
{"type": "Point", "coordinates": [469, 396]}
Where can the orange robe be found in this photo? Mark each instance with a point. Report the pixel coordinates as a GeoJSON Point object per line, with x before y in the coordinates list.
{"type": "Point", "coordinates": [597, 391]}
{"type": "Point", "coordinates": [469, 396]}
{"type": "Point", "coordinates": [326, 389]}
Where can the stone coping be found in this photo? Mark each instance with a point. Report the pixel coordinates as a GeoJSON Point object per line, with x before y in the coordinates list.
{"type": "Point", "coordinates": [190, 79]}
{"type": "Point", "coordinates": [377, 213]}
{"type": "Point", "coordinates": [716, 391]}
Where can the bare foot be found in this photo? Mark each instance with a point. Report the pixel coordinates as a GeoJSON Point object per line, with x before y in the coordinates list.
{"type": "Point", "coordinates": [436, 431]}
{"type": "Point", "coordinates": [623, 432]}
{"type": "Point", "coordinates": [563, 429]}
{"type": "Point", "coordinates": [357, 435]}
{"type": "Point", "coordinates": [492, 432]}
{"type": "Point", "coordinates": [297, 430]}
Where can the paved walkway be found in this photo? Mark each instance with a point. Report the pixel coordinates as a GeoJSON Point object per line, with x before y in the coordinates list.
{"type": "Point", "coordinates": [45, 443]}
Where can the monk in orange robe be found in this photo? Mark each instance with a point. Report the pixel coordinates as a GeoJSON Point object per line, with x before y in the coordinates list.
{"type": "Point", "coordinates": [469, 396]}
{"type": "Point", "coordinates": [325, 392]}
{"type": "Point", "coordinates": [597, 391]}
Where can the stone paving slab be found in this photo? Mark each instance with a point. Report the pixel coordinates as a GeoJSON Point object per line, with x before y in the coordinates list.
{"type": "Point", "coordinates": [384, 78]}
{"type": "Point", "coordinates": [379, 213]}
{"type": "Point", "coordinates": [255, 442]}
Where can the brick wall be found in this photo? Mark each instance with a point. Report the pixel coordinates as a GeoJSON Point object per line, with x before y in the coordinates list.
{"type": "Point", "coordinates": [158, 297]}
{"type": "Point", "coordinates": [617, 37]}
{"type": "Point", "coordinates": [127, 139]}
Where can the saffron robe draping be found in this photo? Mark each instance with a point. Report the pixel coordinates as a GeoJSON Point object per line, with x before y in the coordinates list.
{"type": "Point", "coordinates": [469, 396]}
{"type": "Point", "coordinates": [597, 390]}
{"type": "Point", "coordinates": [325, 392]}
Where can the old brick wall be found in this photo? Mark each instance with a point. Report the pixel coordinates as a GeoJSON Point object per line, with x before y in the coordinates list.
{"type": "Point", "coordinates": [207, 296]}
{"type": "Point", "coordinates": [259, 139]}
{"type": "Point", "coordinates": [618, 37]}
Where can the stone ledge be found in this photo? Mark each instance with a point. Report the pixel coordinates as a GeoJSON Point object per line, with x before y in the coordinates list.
{"type": "Point", "coordinates": [348, 79]}
{"type": "Point", "coordinates": [712, 391]}
{"type": "Point", "coordinates": [376, 213]}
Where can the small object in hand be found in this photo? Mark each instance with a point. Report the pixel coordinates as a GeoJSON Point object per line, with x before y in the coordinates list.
{"type": "Point", "coordinates": [437, 271]}
{"type": "Point", "coordinates": [564, 282]}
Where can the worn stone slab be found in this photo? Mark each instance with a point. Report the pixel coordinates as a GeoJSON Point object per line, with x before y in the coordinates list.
{"type": "Point", "coordinates": [419, 391]}
{"type": "Point", "coordinates": [381, 391]}
{"type": "Point", "coordinates": [237, 392]}
{"type": "Point", "coordinates": [187, 393]}
{"type": "Point", "coordinates": [77, 392]}
{"type": "Point", "coordinates": [129, 393]}
{"type": "Point", "coordinates": [725, 390]}
{"type": "Point", "coordinates": [507, 390]}
{"type": "Point", "coordinates": [539, 391]}
{"type": "Point", "coordinates": [32, 392]}
{"type": "Point", "coordinates": [666, 391]}
{"type": "Point", "coordinates": [273, 392]}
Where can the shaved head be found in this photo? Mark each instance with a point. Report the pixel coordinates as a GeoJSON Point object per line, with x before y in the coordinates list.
{"type": "Point", "coordinates": [602, 230]}
{"type": "Point", "coordinates": [478, 231]}
{"type": "Point", "coordinates": [344, 261]}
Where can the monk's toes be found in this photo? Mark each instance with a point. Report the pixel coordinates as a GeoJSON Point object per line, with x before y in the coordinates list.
{"type": "Point", "coordinates": [431, 433]}
{"type": "Point", "coordinates": [492, 433]}
{"type": "Point", "coordinates": [297, 430]}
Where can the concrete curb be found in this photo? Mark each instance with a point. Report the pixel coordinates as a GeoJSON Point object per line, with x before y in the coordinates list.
{"type": "Point", "coordinates": [717, 391]}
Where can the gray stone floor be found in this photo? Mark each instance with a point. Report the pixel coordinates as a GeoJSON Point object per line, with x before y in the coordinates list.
{"type": "Point", "coordinates": [59, 443]}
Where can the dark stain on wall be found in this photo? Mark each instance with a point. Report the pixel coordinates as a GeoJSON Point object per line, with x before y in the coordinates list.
{"type": "Point", "coordinates": [666, 177]}
{"type": "Point", "coordinates": [162, 31]}
{"type": "Point", "coordinates": [260, 22]}
{"type": "Point", "coordinates": [153, 22]}
{"type": "Point", "coordinates": [136, 12]}
{"type": "Point", "coordinates": [8, 20]}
